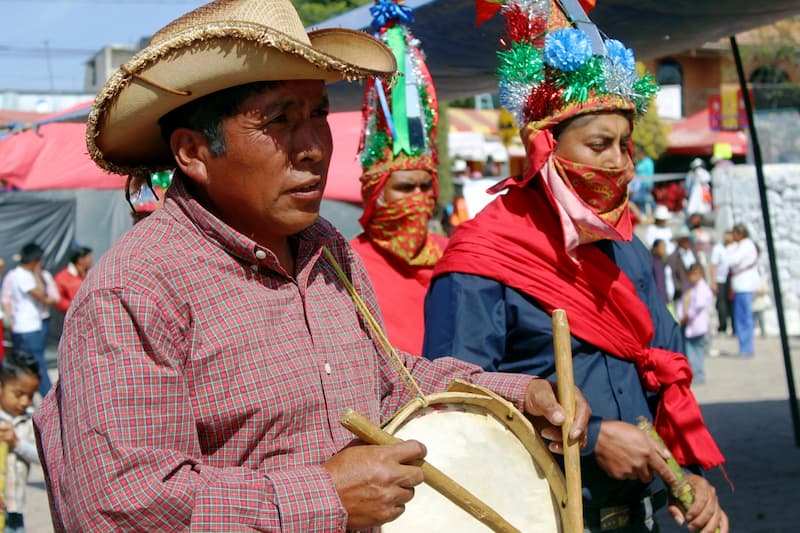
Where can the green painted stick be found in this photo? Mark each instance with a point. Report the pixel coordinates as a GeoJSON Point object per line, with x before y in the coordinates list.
{"type": "Point", "coordinates": [682, 490]}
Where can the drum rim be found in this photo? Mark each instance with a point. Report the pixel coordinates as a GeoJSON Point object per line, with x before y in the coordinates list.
{"type": "Point", "coordinates": [509, 416]}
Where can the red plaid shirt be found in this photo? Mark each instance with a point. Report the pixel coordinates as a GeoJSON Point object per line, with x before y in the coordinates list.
{"type": "Point", "coordinates": [200, 386]}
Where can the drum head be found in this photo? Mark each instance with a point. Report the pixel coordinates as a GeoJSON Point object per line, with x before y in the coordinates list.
{"type": "Point", "coordinates": [477, 449]}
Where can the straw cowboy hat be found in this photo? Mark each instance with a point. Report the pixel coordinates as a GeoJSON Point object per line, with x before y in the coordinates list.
{"type": "Point", "coordinates": [219, 45]}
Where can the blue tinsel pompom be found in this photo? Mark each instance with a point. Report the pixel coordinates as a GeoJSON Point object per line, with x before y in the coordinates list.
{"type": "Point", "coordinates": [620, 55]}
{"type": "Point", "coordinates": [567, 49]}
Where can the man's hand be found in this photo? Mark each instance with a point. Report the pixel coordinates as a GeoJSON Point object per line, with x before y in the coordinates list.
{"type": "Point", "coordinates": [375, 482]}
{"type": "Point", "coordinates": [705, 515]}
{"type": "Point", "coordinates": [541, 402]}
{"type": "Point", "coordinates": [624, 451]}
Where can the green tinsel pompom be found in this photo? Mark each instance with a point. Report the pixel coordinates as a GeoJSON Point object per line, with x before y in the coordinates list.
{"type": "Point", "coordinates": [578, 84]}
{"type": "Point", "coordinates": [522, 63]}
{"type": "Point", "coordinates": [377, 145]}
{"type": "Point", "coordinates": [644, 89]}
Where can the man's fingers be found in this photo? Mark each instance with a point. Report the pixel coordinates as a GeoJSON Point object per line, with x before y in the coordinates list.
{"type": "Point", "coordinates": [659, 465]}
{"type": "Point", "coordinates": [676, 514]}
{"type": "Point", "coordinates": [540, 400]}
{"type": "Point", "coordinates": [582, 414]}
{"type": "Point", "coordinates": [406, 452]}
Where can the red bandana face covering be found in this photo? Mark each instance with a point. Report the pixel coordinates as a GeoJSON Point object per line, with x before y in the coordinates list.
{"type": "Point", "coordinates": [603, 194]}
{"type": "Point", "coordinates": [401, 228]}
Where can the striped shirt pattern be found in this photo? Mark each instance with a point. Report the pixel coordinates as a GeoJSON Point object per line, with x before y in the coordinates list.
{"type": "Point", "coordinates": [200, 385]}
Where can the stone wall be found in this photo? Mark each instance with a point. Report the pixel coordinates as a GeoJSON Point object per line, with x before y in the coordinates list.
{"type": "Point", "coordinates": [736, 198]}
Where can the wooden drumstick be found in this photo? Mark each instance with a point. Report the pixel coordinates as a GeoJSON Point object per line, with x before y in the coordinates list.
{"type": "Point", "coordinates": [438, 480]}
{"type": "Point", "coordinates": [566, 397]}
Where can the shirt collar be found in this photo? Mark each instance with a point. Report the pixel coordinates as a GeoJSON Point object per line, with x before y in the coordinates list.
{"type": "Point", "coordinates": [310, 241]}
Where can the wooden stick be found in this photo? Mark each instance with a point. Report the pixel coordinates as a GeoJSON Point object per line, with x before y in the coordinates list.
{"type": "Point", "coordinates": [438, 480]}
{"type": "Point", "coordinates": [566, 397]}
{"type": "Point", "coordinates": [3, 461]}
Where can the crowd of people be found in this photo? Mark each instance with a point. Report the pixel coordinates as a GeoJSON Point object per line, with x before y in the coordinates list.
{"type": "Point", "coordinates": [29, 293]}
{"type": "Point", "coordinates": [206, 358]}
{"type": "Point", "coordinates": [700, 276]}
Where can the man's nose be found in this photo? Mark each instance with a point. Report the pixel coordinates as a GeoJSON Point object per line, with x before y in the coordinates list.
{"type": "Point", "coordinates": [619, 157]}
{"type": "Point", "coordinates": [309, 142]}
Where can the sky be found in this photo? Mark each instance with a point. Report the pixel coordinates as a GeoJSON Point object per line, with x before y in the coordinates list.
{"type": "Point", "coordinates": [45, 43]}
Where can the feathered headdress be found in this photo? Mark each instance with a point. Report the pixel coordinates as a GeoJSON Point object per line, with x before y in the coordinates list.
{"type": "Point", "coordinates": [400, 117]}
{"type": "Point", "coordinates": [554, 64]}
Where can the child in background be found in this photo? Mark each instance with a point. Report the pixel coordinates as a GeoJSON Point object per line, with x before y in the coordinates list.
{"type": "Point", "coordinates": [761, 302]}
{"type": "Point", "coordinates": [19, 381]}
{"type": "Point", "coordinates": [693, 314]}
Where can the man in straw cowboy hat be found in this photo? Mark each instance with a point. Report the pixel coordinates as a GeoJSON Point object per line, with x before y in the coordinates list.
{"type": "Point", "coordinates": [207, 357]}
{"type": "Point", "coordinates": [561, 238]}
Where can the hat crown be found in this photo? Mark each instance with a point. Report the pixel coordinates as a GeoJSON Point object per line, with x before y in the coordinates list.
{"type": "Point", "coordinates": [555, 64]}
{"type": "Point", "coordinates": [400, 116]}
{"type": "Point", "coordinates": [279, 15]}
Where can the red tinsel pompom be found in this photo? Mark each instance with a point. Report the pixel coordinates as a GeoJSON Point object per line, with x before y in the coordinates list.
{"type": "Point", "coordinates": [519, 27]}
{"type": "Point", "coordinates": [542, 102]}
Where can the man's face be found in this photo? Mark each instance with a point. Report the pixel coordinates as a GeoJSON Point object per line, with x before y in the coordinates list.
{"type": "Point", "coordinates": [685, 243]}
{"type": "Point", "coordinates": [402, 183]}
{"type": "Point", "coordinates": [598, 140]}
{"type": "Point", "coordinates": [85, 263]}
{"type": "Point", "coordinates": [269, 183]}
{"type": "Point", "coordinates": [727, 238]}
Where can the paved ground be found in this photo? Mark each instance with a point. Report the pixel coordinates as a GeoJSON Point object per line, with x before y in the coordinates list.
{"type": "Point", "coordinates": [745, 403]}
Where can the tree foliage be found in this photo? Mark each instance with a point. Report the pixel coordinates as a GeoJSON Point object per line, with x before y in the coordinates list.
{"type": "Point", "coordinates": [650, 133]}
{"type": "Point", "coordinates": [315, 11]}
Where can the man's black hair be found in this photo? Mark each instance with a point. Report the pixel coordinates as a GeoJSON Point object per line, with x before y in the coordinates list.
{"type": "Point", "coordinates": [16, 364]}
{"type": "Point", "coordinates": [30, 252]}
{"type": "Point", "coordinates": [205, 115]}
{"type": "Point", "coordinates": [79, 253]}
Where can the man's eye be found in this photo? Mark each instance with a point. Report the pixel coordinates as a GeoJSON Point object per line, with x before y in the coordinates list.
{"type": "Point", "coordinates": [321, 112]}
{"type": "Point", "coordinates": [278, 119]}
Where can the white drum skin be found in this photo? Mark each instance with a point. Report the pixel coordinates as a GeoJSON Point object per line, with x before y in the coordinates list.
{"type": "Point", "coordinates": [478, 450]}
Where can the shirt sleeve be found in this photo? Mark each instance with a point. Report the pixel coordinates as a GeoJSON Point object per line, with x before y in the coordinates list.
{"type": "Point", "coordinates": [25, 283]}
{"type": "Point", "coordinates": [25, 448]}
{"type": "Point", "coordinates": [50, 287]}
{"type": "Point", "coordinates": [465, 316]}
{"type": "Point", "coordinates": [132, 458]}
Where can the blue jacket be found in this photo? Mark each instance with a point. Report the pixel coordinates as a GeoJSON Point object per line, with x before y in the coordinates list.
{"type": "Point", "coordinates": [480, 320]}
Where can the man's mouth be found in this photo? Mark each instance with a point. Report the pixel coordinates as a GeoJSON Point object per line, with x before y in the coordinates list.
{"type": "Point", "coordinates": [307, 188]}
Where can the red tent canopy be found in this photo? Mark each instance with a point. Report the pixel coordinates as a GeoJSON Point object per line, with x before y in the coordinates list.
{"type": "Point", "coordinates": [693, 136]}
{"type": "Point", "coordinates": [345, 169]}
{"type": "Point", "coordinates": [54, 156]}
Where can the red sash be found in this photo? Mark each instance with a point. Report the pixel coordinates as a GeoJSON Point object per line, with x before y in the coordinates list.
{"type": "Point", "coordinates": [506, 243]}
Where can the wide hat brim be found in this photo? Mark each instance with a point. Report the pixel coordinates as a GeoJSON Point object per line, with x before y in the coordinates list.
{"type": "Point", "coordinates": [123, 135]}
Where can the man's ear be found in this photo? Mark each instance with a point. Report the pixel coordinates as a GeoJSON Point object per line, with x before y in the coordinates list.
{"type": "Point", "coordinates": [191, 152]}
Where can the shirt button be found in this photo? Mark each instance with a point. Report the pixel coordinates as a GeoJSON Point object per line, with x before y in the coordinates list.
{"type": "Point", "coordinates": [619, 390]}
{"type": "Point", "coordinates": [254, 268]}
{"type": "Point", "coordinates": [261, 254]}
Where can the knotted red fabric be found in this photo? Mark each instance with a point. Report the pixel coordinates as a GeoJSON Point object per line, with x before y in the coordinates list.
{"type": "Point", "coordinates": [506, 242]}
